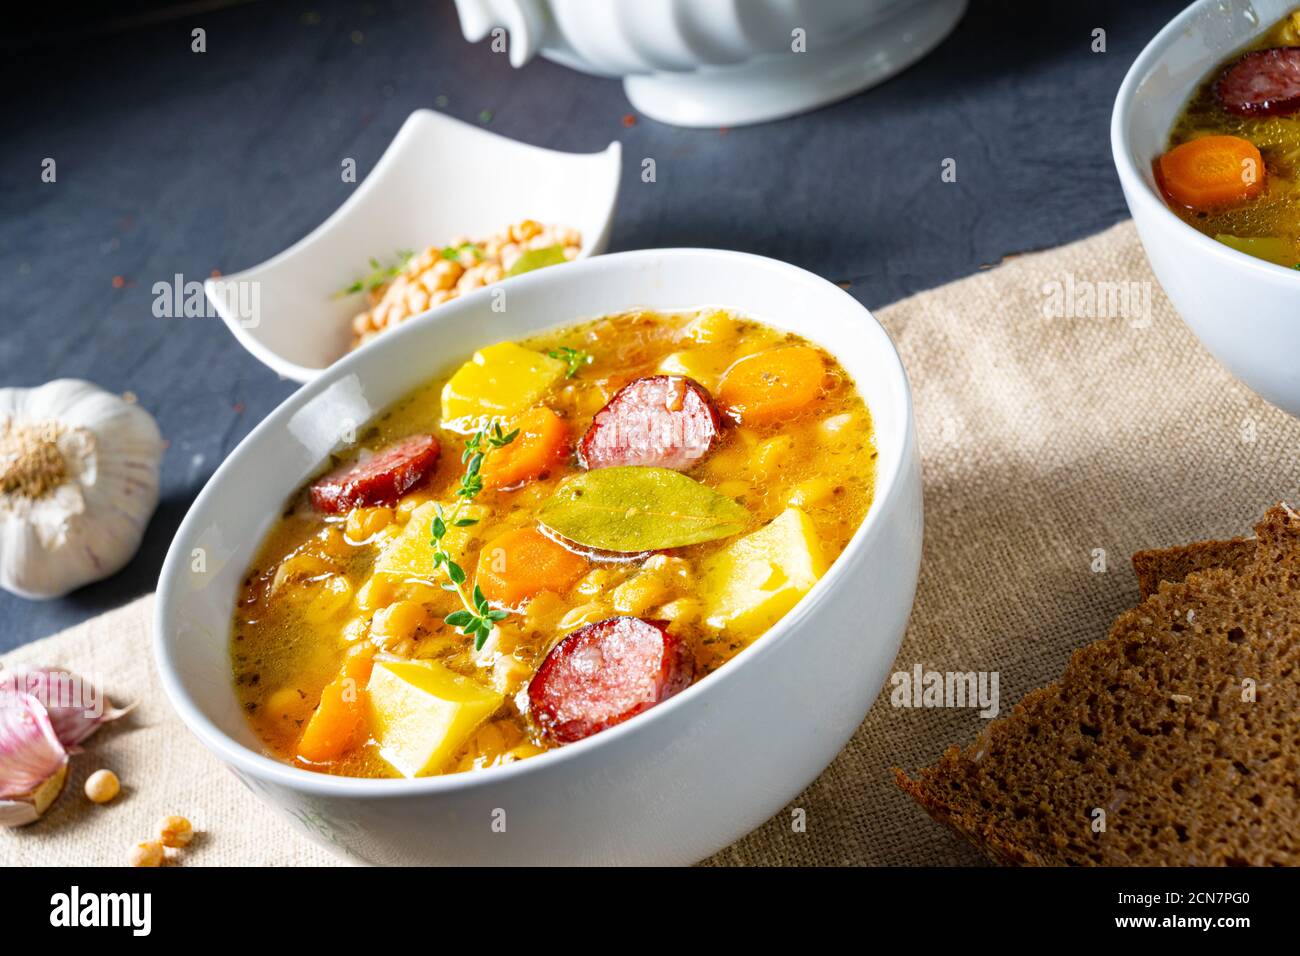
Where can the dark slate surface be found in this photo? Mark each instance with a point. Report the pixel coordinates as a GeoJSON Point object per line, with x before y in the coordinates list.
{"type": "Point", "coordinates": [170, 161]}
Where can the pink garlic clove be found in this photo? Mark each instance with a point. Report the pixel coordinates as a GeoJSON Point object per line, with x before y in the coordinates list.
{"type": "Point", "coordinates": [77, 708]}
{"type": "Point", "coordinates": [33, 763]}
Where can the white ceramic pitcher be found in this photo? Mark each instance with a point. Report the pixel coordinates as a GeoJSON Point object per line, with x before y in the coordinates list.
{"type": "Point", "coordinates": [721, 62]}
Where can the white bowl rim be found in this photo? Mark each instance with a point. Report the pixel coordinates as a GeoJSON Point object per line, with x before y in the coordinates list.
{"type": "Point", "coordinates": [359, 196]}
{"type": "Point", "coordinates": [887, 489]}
{"type": "Point", "coordinates": [1134, 178]}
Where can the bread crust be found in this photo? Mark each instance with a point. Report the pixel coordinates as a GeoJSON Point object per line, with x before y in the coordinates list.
{"type": "Point", "coordinates": [1175, 564]}
{"type": "Point", "coordinates": [1151, 725]}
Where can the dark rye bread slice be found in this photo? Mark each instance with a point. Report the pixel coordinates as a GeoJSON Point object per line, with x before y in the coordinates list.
{"type": "Point", "coordinates": [1152, 724]}
{"type": "Point", "coordinates": [1174, 564]}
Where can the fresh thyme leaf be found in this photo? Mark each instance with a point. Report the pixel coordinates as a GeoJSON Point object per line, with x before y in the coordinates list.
{"type": "Point", "coordinates": [379, 274]}
{"type": "Point", "coordinates": [453, 252]}
{"type": "Point", "coordinates": [574, 358]}
{"type": "Point", "coordinates": [476, 618]}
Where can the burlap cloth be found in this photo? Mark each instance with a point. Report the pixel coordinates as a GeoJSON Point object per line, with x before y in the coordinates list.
{"type": "Point", "coordinates": [1048, 442]}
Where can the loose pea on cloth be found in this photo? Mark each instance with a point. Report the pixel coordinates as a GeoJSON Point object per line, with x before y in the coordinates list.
{"type": "Point", "coordinates": [1067, 418]}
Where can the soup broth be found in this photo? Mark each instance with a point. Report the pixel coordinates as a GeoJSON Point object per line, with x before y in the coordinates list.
{"type": "Point", "coordinates": [1265, 223]}
{"type": "Point", "coordinates": [339, 600]}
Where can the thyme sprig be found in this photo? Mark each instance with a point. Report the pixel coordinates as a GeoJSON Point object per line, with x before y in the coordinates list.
{"type": "Point", "coordinates": [574, 358]}
{"type": "Point", "coordinates": [453, 252]}
{"type": "Point", "coordinates": [378, 275]}
{"type": "Point", "coordinates": [475, 618]}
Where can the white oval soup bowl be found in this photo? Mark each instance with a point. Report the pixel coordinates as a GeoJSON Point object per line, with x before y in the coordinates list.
{"type": "Point", "coordinates": [670, 786]}
{"type": "Point", "coordinates": [1244, 310]}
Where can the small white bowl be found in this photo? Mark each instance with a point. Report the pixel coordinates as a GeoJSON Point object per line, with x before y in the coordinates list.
{"type": "Point", "coordinates": [1244, 310]}
{"type": "Point", "coordinates": [672, 785]}
{"type": "Point", "coordinates": [439, 178]}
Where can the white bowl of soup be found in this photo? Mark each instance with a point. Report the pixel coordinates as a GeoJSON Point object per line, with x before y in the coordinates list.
{"type": "Point", "coordinates": [1222, 250]}
{"type": "Point", "coordinates": [687, 555]}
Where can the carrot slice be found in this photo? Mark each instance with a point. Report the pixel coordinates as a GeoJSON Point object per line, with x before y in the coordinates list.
{"type": "Point", "coordinates": [358, 667]}
{"type": "Point", "coordinates": [1211, 171]}
{"type": "Point", "coordinates": [542, 443]}
{"type": "Point", "coordinates": [522, 563]}
{"type": "Point", "coordinates": [774, 385]}
{"type": "Point", "coordinates": [336, 725]}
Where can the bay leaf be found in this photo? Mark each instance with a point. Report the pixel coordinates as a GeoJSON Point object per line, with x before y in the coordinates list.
{"type": "Point", "coordinates": [634, 508]}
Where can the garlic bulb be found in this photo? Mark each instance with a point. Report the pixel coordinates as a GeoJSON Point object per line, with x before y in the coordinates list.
{"type": "Point", "coordinates": [78, 483]}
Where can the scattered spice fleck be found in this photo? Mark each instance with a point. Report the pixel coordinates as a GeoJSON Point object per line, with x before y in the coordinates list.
{"type": "Point", "coordinates": [239, 408]}
{"type": "Point", "coordinates": [485, 116]}
{"type": "Point", "coordinates": [129, 397]}
{"type": "Point", "coordinates": [118, 282]}
{"type": "Point", "coordinates": [358, 37]}
{"type": "Point", "coordinates": [441, 101]}
{"type": "Point", "coordinates": [724, 130]}
{"type": "Point", "coordinates": [216, 273]}
{"type": "Point", "coordinates": [629, 119]}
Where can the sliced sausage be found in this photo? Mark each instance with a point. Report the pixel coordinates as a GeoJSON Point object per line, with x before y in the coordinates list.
{"type": "Point", "coordinates": [604, 673]}
{"type": "Point", "coordinates": [667, 421]}
{"type": "Point", "coordinates": [379, 480]}
{"type": "Point", "coordinates": [1263, 83]}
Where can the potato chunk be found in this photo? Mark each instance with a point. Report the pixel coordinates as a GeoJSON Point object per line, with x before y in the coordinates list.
{"type": "Point", "coordinates": [755, 579]}
{"type": "Point", "coordinates": [404, 569]}
{"type": "Point", "coordinates": [410, 555]}
{"type": "Point", "coordinates": [498, 382]}
{"type": "Point", "coordinates": [421, 713]}
{"type": "Point", "coordinates": [711, 327]}
{"type": "Point", "coordinates": [704, 365]}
